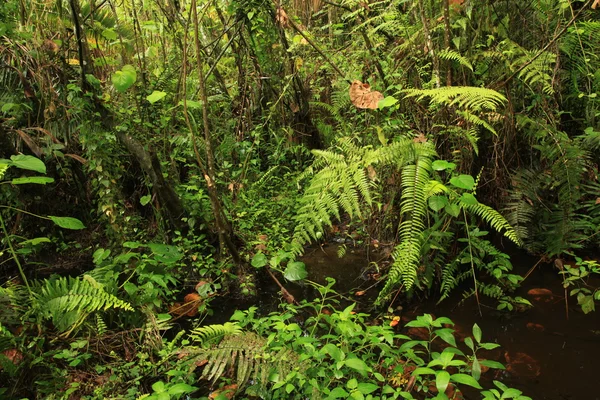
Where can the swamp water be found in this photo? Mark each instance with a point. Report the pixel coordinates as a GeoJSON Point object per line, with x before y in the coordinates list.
{"type": "Point", "coordinates": [547, 355]}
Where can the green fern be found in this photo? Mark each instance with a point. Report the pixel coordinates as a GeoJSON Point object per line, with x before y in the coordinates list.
{"type": "Point", "coordinates": [215, 332]}
{"type": "Point", "coordinates": [244, 354]}
{"type": "Point", "coordinates": [452, 55]}
{"type": "Point", "coordinates": [69, 301]}
{"type": "Point", "coordinates": [468, 98]}
{"type": "Point", "coordinates": [407, 254]}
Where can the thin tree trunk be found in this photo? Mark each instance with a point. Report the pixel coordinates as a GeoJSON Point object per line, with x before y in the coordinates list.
{"type": "Point", "coordinates": [168, 198]}
{"type": "Point", "coordinates": [224, 229]}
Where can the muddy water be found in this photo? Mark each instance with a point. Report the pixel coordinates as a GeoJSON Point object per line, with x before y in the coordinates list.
{"type": "Point", "coordinates": [548, 356]}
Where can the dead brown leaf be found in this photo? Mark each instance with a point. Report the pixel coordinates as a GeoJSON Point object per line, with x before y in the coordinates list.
{"type": "Point", "coordinates": [596, 4]}
{"type": "Point", "coordinates": [281, 18]}
{"type": "Point", "coordinates": [362, 96]}
{"type": "Point", "coordinates": [420, 138]}
{"type": "Point", "coordinates": [227, 391]}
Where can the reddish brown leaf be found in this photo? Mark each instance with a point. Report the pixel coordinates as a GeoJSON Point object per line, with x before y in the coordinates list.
{"type": "Point", "coordinates": [227, 391]}
{"type": "Point", "coordinates": [362, 96]}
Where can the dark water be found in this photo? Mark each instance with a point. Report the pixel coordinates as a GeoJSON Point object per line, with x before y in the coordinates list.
{"type": "Point", "coordinates": [549, 356]}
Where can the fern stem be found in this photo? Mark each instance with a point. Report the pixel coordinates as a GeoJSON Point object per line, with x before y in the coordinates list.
{"type": "Point", "coordinates": [14, 254]}
{"type": "Point", "coordinates": [472, 264]}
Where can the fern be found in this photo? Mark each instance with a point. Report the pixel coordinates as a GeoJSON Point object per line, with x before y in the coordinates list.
{"type": "Point", "coordinates": [69, 301]}
{"type": "Point", "coordinates": [244, 354]}
{"type": "Point", "coordinates": [210, 333]}
{"type": "Point", "coordinates": [467, 98]}
{"type": "Point", "coordinates": [495, 219]}
{"type": "Point", "coordinates": [451, 55]}
{"type": "Point", "coordinates": [414, 207]}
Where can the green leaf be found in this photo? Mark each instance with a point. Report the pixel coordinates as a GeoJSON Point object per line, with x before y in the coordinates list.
{"type": "Point", "coordinates": [338, 393]}
{"type": "Point", "coordinates": [259, 260]}
{"type": "Point", "coordinates": [469, 343]}
{"type": "Point", "coordinates": [67, 222]}
{"type": "Point", "coordinates": [477, 333]}
{"type": "Point", "coordinates": [465, 380]}
{"type": "Point", "coordinates": [35, 241]}
{"type": "Point", "coordinates": [155, 96]}
{"type": "Point", "coordinates": [124, 78]}
{"type": "Point", "coordinates": [476, 369]}
{"type": "Point", "coordinates": [110, 34]}
{"type": "Point", "coordinates": [352, 384]}
{"type": "Point", "coordinates": [333, 351]}
{"type": "Point", "coordinates": [463, 182]}
{"type": "Point", "coordinates": [442, 378]}
{"type": "Point", "coordinates": [158, 387]}
{"type": "Point", "coordinates": [181, 388]}
{"type": "Point", "coordinates": [289, 388]}
{"type": "Point", "coordinates": [41, 180]}
{"type": "Point", "coordinates": [441, 165]}
{"type": "Point", "coordinates": [436, 203]}
{"type": "Point", "coordinates": [28, 162]}
{"type": "Point", "coordinates": [366, 388]}
{"type": "Point", "coordinates": [295, 271]}
{"type": "Point", "coordinates": [387, 102]}
{"type": "Point", "coordinates": [468, 199]}
{"type": "Point", "coordinates": [489, 346]}
{"type": "Point", "coordinates": [491, 364]}
{"type": "Point", "coordinates": [423, 371]}
{"type": "Point", "coordinates": [446, 335]}
{"type": "Point", "coordinates": [145, 199]}
{"type": "Point", "coordinates": [453, 210]}
{"type": "Point", "coordinates": [357, 364]}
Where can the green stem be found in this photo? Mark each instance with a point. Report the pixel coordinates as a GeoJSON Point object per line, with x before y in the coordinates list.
{"type": "Point", "coordinates": [25, 212]}
{"type": "Point", "coordinates": [14, 254]}
{"type": "Point", "coordinates": [472, 264]}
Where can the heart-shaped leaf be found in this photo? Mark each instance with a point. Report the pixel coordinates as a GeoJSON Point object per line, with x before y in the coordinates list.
{"type": "Point", "coordinates": [124, 78]}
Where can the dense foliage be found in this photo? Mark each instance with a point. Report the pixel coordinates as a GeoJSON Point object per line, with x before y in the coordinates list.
{"type": "Point", "coordinates": [160, 158]}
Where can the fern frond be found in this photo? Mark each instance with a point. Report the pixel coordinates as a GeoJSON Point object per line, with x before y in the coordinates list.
{"type": "Point", "coordinates": [452, 55]}
{"type": "Point", "coordinates": [214, 332]}
{"type": "Point", "coordinates": [415, 183]}
{"type": "Point", "coordinates": [68, 301]}
{"type": "Point", "coordinates": [244, 354]}
{"type": "Point", "coordinates": [467, 98]}
{"type": "Point", "coordinates": [495, 219]}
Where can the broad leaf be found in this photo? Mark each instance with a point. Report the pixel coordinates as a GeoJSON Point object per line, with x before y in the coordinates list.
{"type": "Point", "coordinates": [181, 388]}
{"type": "Point", "coordinates": [423, 371]}
{"type": "Point", "coordinates": [436, 203]}
{"type": "Point", "coordinates": [463, 182]}
{"type": "Point", "coordinates": [67, 222]}
{"type": "Point", "coordinates": [145, 199]}
{"type": "Point", "coordinates": [465, 380]}
{"type": "Point", "coordinates": [442, 378]}
{"type": "Point", "coordinates": [338, 393]}
{"type": "Point", "coordinates": [295, 271]}
{"type": "Point", "coordinates": [366, 388]}
{"type": "Point", "coordinates": [124, 78]}
{"type": "Point", "coordinates": [441, 165]}
{"type": "Point", "coordinates": [28, 162]}
{"type": "Point", "coordinates": [357, 364]}
{"type": "Point", "coordinates": [40, 180]}
{"type": "Point", "coordinates": [259, 260]}
{"type": "Point", "coordinates": [477, 333]}
{"type": "Point", "coordinates": [468, 199]}
{"type": "Point", "coordinates": [387, 102]}
{"type": "Point", "coordinates": [453, 210]}
{"type": "Point", "coordinates": [155, 96]}
{"type": "Point", "coordinates": [446, 335]}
